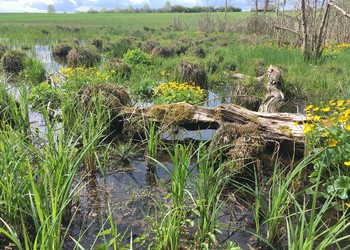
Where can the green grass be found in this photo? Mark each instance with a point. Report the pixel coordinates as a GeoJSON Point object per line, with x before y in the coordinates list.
{"type": "Point", "coordinates": [82, 26]}
{"type": "Point", "coordinates": [38, 188]}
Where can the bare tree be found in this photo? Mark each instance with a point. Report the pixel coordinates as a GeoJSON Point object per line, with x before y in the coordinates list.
{"type": "Point", "coordinates": [311, 25]}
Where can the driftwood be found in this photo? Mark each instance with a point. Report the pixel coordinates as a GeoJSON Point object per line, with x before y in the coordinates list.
{"type": "Point", "coordinates": [244, 94]}
{"type": "Point", "coordinates": [283, 130]}
{"type": "Point", "coordinates": [274, 97]}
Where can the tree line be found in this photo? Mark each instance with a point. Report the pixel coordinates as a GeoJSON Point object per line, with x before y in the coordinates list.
{"type": "Point", "coordinates": [168, 8]}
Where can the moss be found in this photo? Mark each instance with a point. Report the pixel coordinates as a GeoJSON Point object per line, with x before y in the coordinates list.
{"type": "Point", "coordinates": [217, 114]}
{"type": "Point", "coordinates": [175, 113]}
{"type": "Point", "coordinates": [285, 130]}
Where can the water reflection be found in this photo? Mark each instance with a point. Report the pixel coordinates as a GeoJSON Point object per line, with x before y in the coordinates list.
{"type": "Point", "coordinates": [44, 54]}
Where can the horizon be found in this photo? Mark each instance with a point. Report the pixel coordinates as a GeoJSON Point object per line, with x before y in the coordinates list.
{"type": "Point", "coordinates": [73, 6]}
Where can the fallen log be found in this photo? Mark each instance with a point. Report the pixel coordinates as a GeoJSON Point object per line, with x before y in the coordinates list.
{"type": "Point", "coordinates": [284, 130]}
{"type": "Point", "coordinates": [187, 116]}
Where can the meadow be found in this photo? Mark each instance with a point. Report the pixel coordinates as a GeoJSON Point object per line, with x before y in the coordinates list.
{"type": "Point", "coordinates": [78, 174]}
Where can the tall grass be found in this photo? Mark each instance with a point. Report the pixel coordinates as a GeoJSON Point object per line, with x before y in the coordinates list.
{"type": "Point", "coordinates": [35, 70]}
{"type": "Point", "coordinates": [209, 185]}
{"type": "Point", "coordinates": [38, 189]}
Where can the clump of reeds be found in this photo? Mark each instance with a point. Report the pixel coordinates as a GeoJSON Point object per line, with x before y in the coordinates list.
{"type": "Point", "coordinates": [83, 56]}
{"type": "Point", "coordinates": [113, 98]}
{"type": "Point", "coordinates": [13, 61]}
{"type": "Point", "coordinates": [162, 51]}
{"type": "Point", "coordinates": [98, 43]}
{"type": "Point", "coordinates": [241, 143]}
{"type": "Point", "coordinates": [148, 46]}
{"type": "Point", "coordinates": [3, 49]}
{"type": "Point", "coordinates": [62, 49]}
{"type": "Point", "coordinates": [190, 72]}
{"type": "Point", "coordinates": [118, 67]}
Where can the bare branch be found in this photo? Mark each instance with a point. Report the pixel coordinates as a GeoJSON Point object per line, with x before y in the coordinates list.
{"type": "Point", "coordinates": [290, 30]}
{"type": "Point", "coordinates": [338, 8]}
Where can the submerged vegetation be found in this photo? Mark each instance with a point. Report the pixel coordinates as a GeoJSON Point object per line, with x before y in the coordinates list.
{"type": "Point", "coordinates": [69, 157]}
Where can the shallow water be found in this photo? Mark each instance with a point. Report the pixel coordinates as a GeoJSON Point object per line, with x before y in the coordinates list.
{"type": "Point", "coordinates": [129, 194]}
{"type": "Point", "coordinates": [44, 53]}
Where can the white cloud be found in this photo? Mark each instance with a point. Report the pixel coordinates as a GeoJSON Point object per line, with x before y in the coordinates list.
{"type": "Point", "coordinates": [138, 1]}
{"type": "Point", "coordinates": [84, 8]}
{"type": "Point", "coordinates": [17, 6]}
{"type": "Point", "coordinates": [84, 5]}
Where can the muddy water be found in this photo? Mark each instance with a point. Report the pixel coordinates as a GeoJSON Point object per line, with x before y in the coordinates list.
{"type": "Point", "coordinates": [128, 195]}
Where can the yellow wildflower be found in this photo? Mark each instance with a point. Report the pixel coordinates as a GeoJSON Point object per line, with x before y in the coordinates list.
{"type": "Point", "coordinates": [347, 127]}
{"type": "Point", "coordinates": [326, 133]}
{"type": "Point", "coordinates": [315, 109]}
{"type": "Point", "coordinates": [332, 143]}
{"type": "Point", "coordinates": [325, 109]}
{"type": "Point", "coordinates": [309, 107]}
{"type": "Point", "coordinates": [340, 103]}
{"type": "Point", "coordinates": [347, 163]}
{"type": "Point", "coordinates": [308, 128]}
{"type": "Point", "coordinates": [317, 118]}
{"type": "Point", "coordinates": [343, 118]}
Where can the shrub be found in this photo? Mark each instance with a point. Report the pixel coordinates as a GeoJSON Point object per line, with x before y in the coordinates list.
{"type": "Point", "coordinates": [43, 95]}
{"type": "Point", "coordinates": [144, 88]}
{"type": "Point", "coordinates": [136, 56]}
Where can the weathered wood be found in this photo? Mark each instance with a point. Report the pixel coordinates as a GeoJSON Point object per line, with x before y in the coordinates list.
{"type": "Point", "coordinates": [281, 130]}
{"type": "Point", "coordinates": [285, 129]}
{"type": "Point", "coordinates": [274, 97]}
{"type": "Point", "coordinates": [185, 115]}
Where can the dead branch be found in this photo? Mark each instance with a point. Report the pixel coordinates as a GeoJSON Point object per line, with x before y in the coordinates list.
{"type": "Point", "coordinates": [290, 30]}
{"type": "Point", "coordinates": [338, 8]}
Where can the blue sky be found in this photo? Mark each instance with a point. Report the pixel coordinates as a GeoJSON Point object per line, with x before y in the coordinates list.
{"type": "Point", "coordinates": [84, 5]}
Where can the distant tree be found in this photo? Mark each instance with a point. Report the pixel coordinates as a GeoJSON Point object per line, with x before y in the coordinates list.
{"type": "Point", "coordinates": [104, 10]}
{"type": "Point", "coordinates": [92, 11]}
{"type": "Point", "coordinates": [130, 9]}
{"type": "Point", "coordinates": [146, 8]}
{"type": "Point", "coordinates": [179, 9]}
{"type": "Point", "coordinates": [167, 7]}
{"type": "Point", "coordinates": [51, 9]}
{"type": "Point", "coordinates": [117, 9]}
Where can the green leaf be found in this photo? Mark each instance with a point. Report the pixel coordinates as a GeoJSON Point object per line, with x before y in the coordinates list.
{"type": "Point", "coordinates": [340, 187]}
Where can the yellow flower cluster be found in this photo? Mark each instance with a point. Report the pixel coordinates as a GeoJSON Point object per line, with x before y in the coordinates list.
{"type": "Point", "coordinates": [179, 92]}
{"type": "Point", "coordinates": [86, 74]}
{"type": "Point", "coordinates": [335, 49]}
{"type": "Point", "coordinates": [330, 121]}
